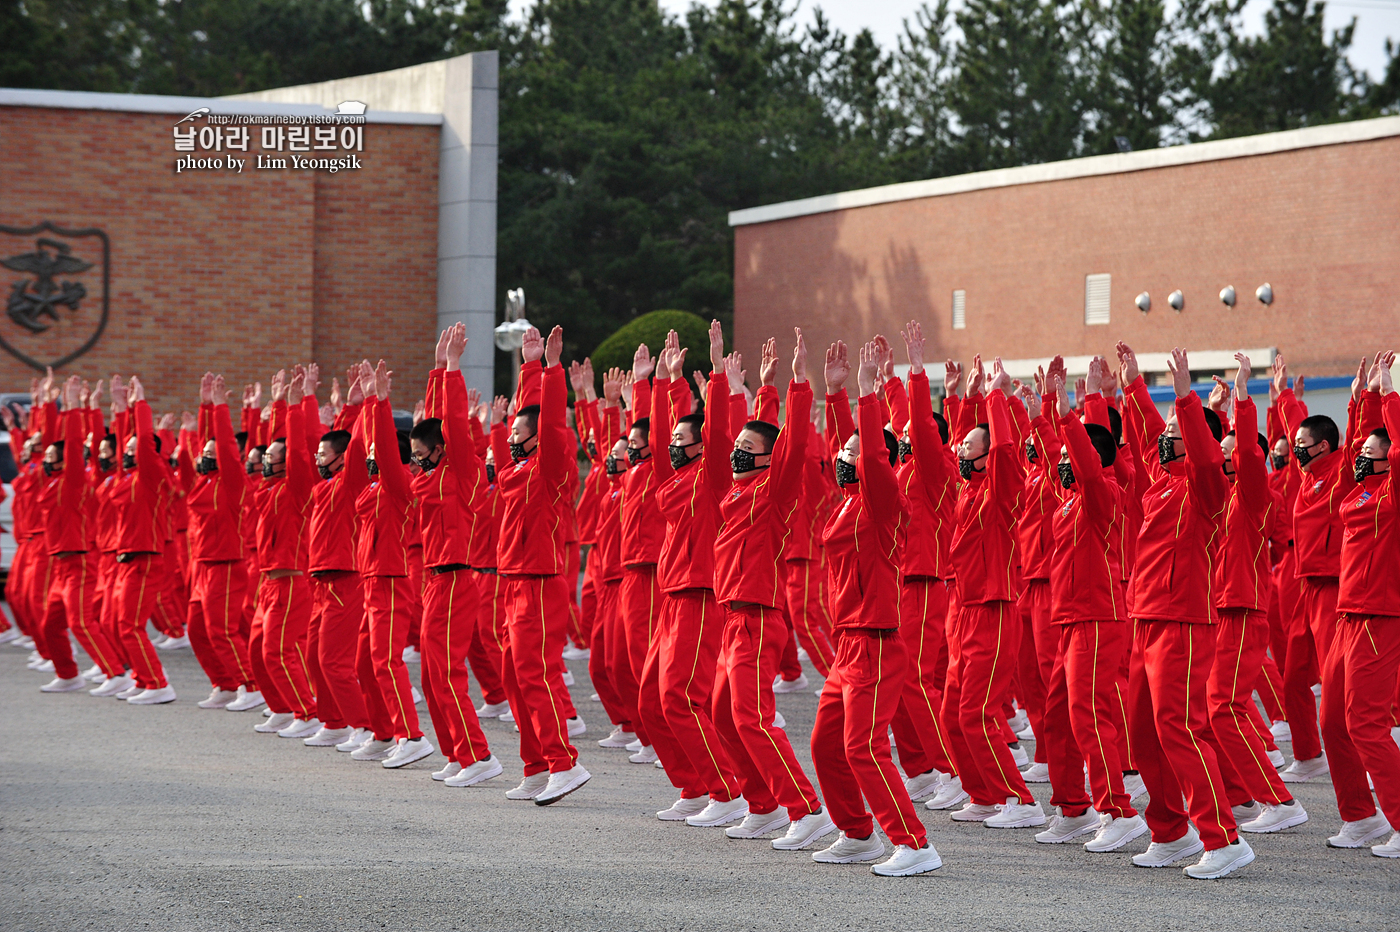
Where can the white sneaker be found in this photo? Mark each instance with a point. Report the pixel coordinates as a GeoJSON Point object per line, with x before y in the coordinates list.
{"type": "Point", "coordinates": [1036, 773]}
{"type": "Point", "coordinates": [93, 673]}
{"type": "Point", "coordinates": [1019, 755]}
{"type": "Point", "coordinates": [950, 793]}
{"type": "Point", "coordinates": [157, 638]}
{"type": "Point", "coordinates": [113, 686]}
{"type": "Point", "coordinates": [575, 653]}
{"type": "Point", "coordinates": [595, 698]}
{"type": "Point", "coordinates": [758, 824]}
{"type": "Point", "coordinates": [451, 769]}
{"type": "Point", "coordinates": [357, 737]}
{"type": "Point", "coordinates": [803, 656]}
{"type": "Point", "coordinates": [274, 723]}
{"type": "Point", "coordinates": [1281, 731]}
{"type": "Point", "coordinates": [507, 716]}
{"type": "Point", "coordinates": [719, 813]}
{"type": "Point", "coordinates": [683, 809]}
{"type": "Point", "coordinates": [1301, 771]}
{"type": "Point", "coordinates": [618, 740]}
{"type": "Point", "coordinates": [417, 696]}
{"type": "Point", "coordinates": [300, 728]}
{"type": "Point", "coordinates": [328, 737]}
{"type": "Point", "coordinates": [806, 831]}
{"type": "Point", "coordinates": [132, 690]}
{"type": "Point", "coordinates": [562, 784]}
{"type": "Point", "coordinates": [1390, 849]}
{"type": "Point", "coordinates": [781, 685]}
{"type": "Point", "coordinates": [577, 726]}
{"type": "Point", "coordinates": [1221, 861]}
{"type": "Point", "coordinates": [568, 677]}
{"type": "Point", "coordinates": [179, 643]}
{"type": "Point", "coordinates": [412, 654]}
{"type": "Point", "coordinates": [847, 850]}
{"type": "Point", "coordinates": [479, 772]}
{"type": "Point", "coordinates": [1115, 833]}
{"type": "Point", "coordinates": [530, 787]}
{"type": "Point", "coordinates": [43, 666]}
{"type": "Point", "coordinates": [218, 699]}
{"type": "Point", "coordinates": [923, 785]}
{"type": "Point", "coordinates": [492, 709]}
{"type": "Point", "coordinates": [1167, 853]}
{"type": "Point", "coordinates": [975, 812]}
{"type": "Point", "coordinates": [408, 751]}
{"type": "Point", "coordinates": [647, 755]}
{"type": "Point", "coordinates": [780, 722]}
{"type": "Point", "coordinates": [906, 862]}
{"type": "Point", "coordinates": [659, 765]}
{"type": "Point", "coordinates": [1361, 833]}
{"type": "Point", "coordinates": [1276, 818]}
{"type": "Point", "coordinates": [1248, 812]}
{"type": "Point", "coordinates": [1134, 785]}
{"type": "Point", "coordinates": [634, 745]}
{"type": "Point", "coordinates": [1063, 828]}
{"type": "Point", "coordinates": [9, 635]}
{"type": "Point", "coordinates": [1277, 759]}
{"type": "Point", "coordinates": [1016, 814]}
{"type": "Point", "coordinates": [57, 685]}
{"type": "Point", "coordinates": [1019, 721]}
{"type": "Point", "coordinates": [1027, 733]}
{"type": "Point", "coordinates": [153, 696]}
{"type": "Point", "coordinates": [374, 749]}
{"type": "Point", "coordinates": [246, 701]}
{"type": "Point", "coordinates": [1317, 690]}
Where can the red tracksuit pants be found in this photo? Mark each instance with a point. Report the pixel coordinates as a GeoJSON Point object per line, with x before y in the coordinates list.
{"type": "Point", "coordinates": [1038, 638]}
{"type": "Point", "coordinates": [537, 619]}
{"type": "Point", "coordinates": [376, 708]}
{"type": "Point", "coordinates": [1081, 724]}
{"type": "Point", "coordinates": [215, 619]}
{"type": "Point", "coordinates": [138, 583]}
{"type": "Point", "coordinates": [640, 606]}
{"type": "Point", "coordinates": [1309, 636]}
{"type": "Point", "coordinates": [807, 609]}
{"type": "Point", "coordinates": [451, 606]}
{"type": "Point", "coordinates": [280, 628]}
{"type": "Point", "coordinates": [743, 710]}
{"type": "Point", "coordinates": [609, 675]}
{"type": "Point", "coordinates": [851, 742]}
{"type": "Point", "coordinates": [1169, 714]}
{"type": "Point", "coordinates": [17, 592]}
{"type": "Point", "coordinates": [487, 645]}
{"type": "Point", "coordinates": [1358, 687]}
{"type": "Point", "coordinates": [72, 604]}
{"type": "Point", "coordinates": [577, 634]}
{"type": "Point", "coordinates": [337, 610]}
{"type": "Point", "coordinates": [33, 593]}
{"type": "Point", "coordinates": [918, 722]}
{"type": "Point", "coordinates": [619, 660]}
{"type": "Point", "coordinates": [107, 605]}
{"type": "Point", "coordinates": [392, 608]}
{"type": "Point", "coordinates": [588, 598]}
{"type": "Point", "coordinates": [789, 664]}
{"type": "Point", "coordinates": [674, 698]}
{"type": "Point", "coordinates": [1240, 738]}
{"type": "Point", "coordinates": [979, 678]}
{"type": "Point", "coordinates": [174, 597]}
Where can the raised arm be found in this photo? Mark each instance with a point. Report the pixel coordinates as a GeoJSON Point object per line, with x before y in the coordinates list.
{"type": "Point", "coordinates": [1205, 474]}
{"type": "Point", "coordinates": [790, 449]}
{"type": "Point", "coordinates": [878, 485]}
{"type": "Point", "coordinates": [555, 444]}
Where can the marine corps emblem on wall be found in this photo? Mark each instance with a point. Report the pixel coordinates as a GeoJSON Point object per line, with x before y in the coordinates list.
{"type": "Point", "coordinates": [56, 290]}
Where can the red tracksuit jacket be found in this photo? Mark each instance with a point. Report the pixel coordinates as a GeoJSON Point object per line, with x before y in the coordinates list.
{"type": "Point", "coordinates": [585, 422]}
{"type": "Point", "coordinates": [1242, 578]}
{"type": "Point", "coordinates": [142, 494]}
{"type": "Point", "coordinates": [1370, 559]}
{"type": "Point", "coordinates": [285, 502]}
{"type": "Point", "coordinates": [216, 499]}
{"type": "Point", "coordinates": [67, 501]}
{"type": "Point", "coordinates": [532, 491]}
{"type": "Point", "coordinates": [689, 498]}
{"type": "Point", "coordinates": [643, 531]}
{"type": "Point", "coordinates": [985, 554]}
{"type": "Point", "coordinates": [330, 535]}
{"type": "Point", "coordinates": [1182, 513]}
{"type": "Point", "coordinates": [383, 509]}
{"type": "Point", "coordinates": [608, 550]}
{"type": "Point", "coordinates": [928, 480]}
{"type": "Point", "coordinates": [1086, 572]}
{"type": "Point", "coordinates": [756, 512]}
{"type": "Point", "coordinates": [1317, 511]}
{"type": "Point", "coordinates": [450, 495]}
{"type": "Point", "coordinates": [1035, 531]}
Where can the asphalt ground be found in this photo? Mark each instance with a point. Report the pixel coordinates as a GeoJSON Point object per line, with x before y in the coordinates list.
{"type": "Point", "coordinates": [115, 817]}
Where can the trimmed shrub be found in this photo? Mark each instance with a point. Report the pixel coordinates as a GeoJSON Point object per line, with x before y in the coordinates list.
{"type": "Point", "coordinates": [651, 329]}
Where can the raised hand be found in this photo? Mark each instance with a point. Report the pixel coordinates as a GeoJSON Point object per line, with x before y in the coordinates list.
{"type": "Point", "coordinates": [612, 387]}
{"type": "Point", "coordinates": [296, 386]}
{"type": "Point", "coordinates": [136, 391]}
{"type": "Point", "coordinates": [913, 334]}
{"type": "Point", "coordinates": [206, 383]}
{"type": "Point", "coordinates": [120, 394]}
{"type": "Point", "coordinates": [420, 411]}
{"type": "Point", "coordinates": [837, 368]}
{"type": "Point", "coordinates": [1218, 395]}
{"type": "Point", "coordinates": [734, 373]}
{"type": "Point", "coordinates": [1181, 372]}
{"type": "Point", "coordinates": [1081, 388]}
{"type": "Point", "coordinates": [1093, 382]}
{"type": "Point", "coordinates": [553, 347]}
{"type": "Point", "coordinates": [218, 391]}
{"type": "Point", "coordinates": [532, 346]}
{"type": "Point", "coordinates": [279, 386]}
{"type": "Point", "coordinates": [166, 422]}
{"type": "Point", "coordinates": [1298, 388]}
{"type": "Point", "coordinates": [188, 422]}
{"type": "Point", "coordinates": [473, 399]}
{"type": "Point", "coordinates": [952, 377]}
{"type": "Point", "coordinates": [1000, 381]}
{"type": "Point", "coordinates": [440, 351]}
{"type": "Point", "coordinates": [355, 394]}
{"type": "Point", "coordinates": [1242, 377]}
{"type": "Point", "coordinates": [367, 379]}
{"type": "Point", "coordinates": [337, 399]}
{"type": "Point", "coordinates": [702, 381]}
{"type": "Point", "coordinates": [871, 358]}
{"type": "Point", "coordinates": [1373, 378]}
{"type": "Point", "coordinates": [628, 380]}
{"type": "Point", "coordinates": [73, 389]}
{"type": "Point", "coordinates": [588, 381]}
{"type": "Point", "coordinates": [499, 406]}
{"type": "Point", "coordinates": [642, 363]}
{"type": "Point", "coordinates": [799, 357]}
{"type": "Point", "coordinates": [1128, 362]}
{"type": "Point", "coordinates": [383, 379]}
{"type": "Point", "coordinates": [886, 358]}
{"type": "Point", "coordinates": [1109, 384]}
{"type": "Point", "coordinates": [84, 394]}
{"type": "Point", "coordinates": [716, 346]}
{"type": "Point", "coordinates": [974, 378]}
{"type": "Point", "coordinates": [312, 381]}
{"type": "Point", "coordinates": [1386, 385]}
{"type": "Point", "coordinates": [96, 394]}
{"type": "Point", "coordinates": [576, 379]}
{"type": "Point", "coordinates": [46, 387]}
{"type": "Point", "coordinates": [1057, 388]}
{"type": "Point", "coordinates": [768, 365]}
{"type": "Point", "coordinates": [456, 346]}
{"type": "Point", "coordinates": [1031, 399]}
{"type": "Point", "coordinates": [1358, 382]}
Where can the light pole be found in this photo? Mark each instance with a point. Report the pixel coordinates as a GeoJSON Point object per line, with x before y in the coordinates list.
{"type": "Point", "coordinates": [511, 334]}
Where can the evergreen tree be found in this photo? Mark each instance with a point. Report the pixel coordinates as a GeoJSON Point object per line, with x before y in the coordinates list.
{"type": "Point", "coordinates": [1135, 86]}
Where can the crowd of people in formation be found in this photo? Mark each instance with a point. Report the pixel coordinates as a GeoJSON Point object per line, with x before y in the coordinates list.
{"type": "Point", "coordinates": [1028, 563]}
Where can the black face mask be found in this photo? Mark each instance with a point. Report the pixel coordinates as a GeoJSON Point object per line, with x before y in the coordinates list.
{"type": "Point", "coordinates": [1365, 466]}
{"type": "Point", "coordinates": [610, 464]}
{"type": "Point", "coordinates": [174, 463]}
{"type": "Point", "coordinates": [634, 455]}
{"type": "Point", "coordinates": [1166, 450]}
{"type": "Point", "coordinates": [106, 463]}
{"type": "Point", "coordinates": [269, 470]}
{"type": "Point", "coordinates": [679, 459]}
{"type": "Point", "coordinates": [1303, 454]}
{"type": "Point", "coordinates": [1031, 454]}
{"type": "Point", "coordinates": [965, 467]}
{"type": "Point", "coordinates": [326, 471]}
{"type": "Point", "coordinates": [252, 468]}
{"type": "Point", "coordinates": [206, 465]}
{"type": "Point", "coordinates": [372, 466]}
{"type": "Point", "coordinates": [491, 473]}
{"type": "Point", "coordinates": [1066, 474]}
{"type": "Point", "coordinates": [906, 449]}
{"type": "Point", "coordinates": [128, 461]}
{"type": "Point", "coordinates": [1229, 473]}
{"type": "Point", "coordinates": [50, 468]}
{"type": "Point", "coordinates": [1280, 460]}
{"type": "Point", "coordinates": [744, 461]}
{"type": "Point", "coordinates": [425, 463]}
{"type": "Point", "coordinates": [846, 473]}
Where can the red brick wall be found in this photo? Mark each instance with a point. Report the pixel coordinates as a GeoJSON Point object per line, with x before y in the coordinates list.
{"type": "Point", "coordinates": [1318, 224]}
{"type": "Point", "coordinates": [211, 270]}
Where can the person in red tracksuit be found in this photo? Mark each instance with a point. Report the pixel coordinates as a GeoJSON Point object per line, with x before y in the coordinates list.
{"type": "Point", "coordinates": [608, 664]}
{"type": "Point", "coordinates": [1358, 675]}
{"type": "Point", "coordinates": [1286, 608]}
{"type": "Point", "coordinates": [1089, 611]}
{"type": "Point", "coordinates": [487, 652]}
{"type": "Point", "coordinates": [218, 573]}
{"type": "Point", "coordinates": [141, 490]}
{"type": "Point", "coordinates": [766, 466]}
{"type": "Point", "coordinates": [984, 554]}
{"type": "Point", "coordinates": [534, 478]}
{"type": "Point", "coordinates": [850, 738]}
{"type": "Point", "coordinates": [69, 509]}
{"type": "Point", "coordinates": [349, 702]}
{"type": "Point", "coordinates": [1317, 539]}
{"type": "Point", "coordinates": [591, 493]}
{"type": "Point", "coordinates": [1174, 635]}
{"type": "Point", "coordinates": [1242, 588]}
{"type": "Point", "coordinates": [449, 487]}
{"type": "Point", "coordinates": [674, 695]}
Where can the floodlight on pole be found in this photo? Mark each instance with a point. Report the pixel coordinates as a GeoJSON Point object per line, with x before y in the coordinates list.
{"type": "Point", "coordinates": [510, 334]}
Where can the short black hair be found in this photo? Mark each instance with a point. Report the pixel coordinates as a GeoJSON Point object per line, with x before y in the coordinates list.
{"type": "Point", "coordinates": [1102, 439]}
{"type": "Point", "coordinates": [405, 451]}
{"type": "Point", "coordinates": [1381, 434]}
{"type": "Point", "coordinates": [58, 445]}
{"type": "Point", "coordinates": [1263, 441]}
{"type": "Point", "coordinates": [1213, 422]}
{"type": "Point", "coordinates": [1322, 427]}
{"type": "Point", "coordinates": [696, 423]}
{"type": "Point", "coordinates": [111, 439]}
{"type": "Point", "coordinates": [531, 413]}
{"type": "Point", "coordinates": [643, 424]}
{"type": "Point", "coordinates": [942, 423]}
{"type": "Point", "coordinates": [891, 445]}
{"type": "Point", "coordinates": [338, 439]}
{"type": "Point", "coordinates": [261, 448]}
{"type": "Point", "coordinates": [768, 432]}
{"type": "Point", "coordinates": [1115, 424]}
{"type": "Point", "coordinates": [241, 438]}
{"type": "Point", "coordinates": [427, 431]}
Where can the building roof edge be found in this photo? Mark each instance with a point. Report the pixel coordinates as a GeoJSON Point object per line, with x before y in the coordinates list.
{"type": "Point", "coordinates": [159, 103]}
